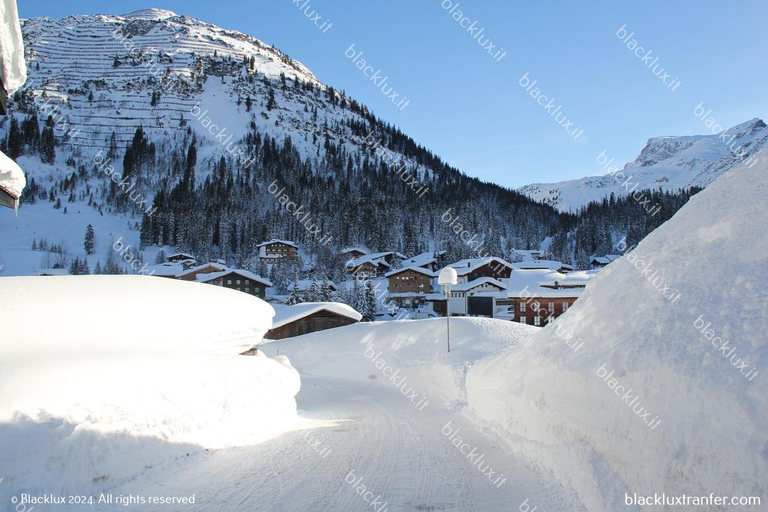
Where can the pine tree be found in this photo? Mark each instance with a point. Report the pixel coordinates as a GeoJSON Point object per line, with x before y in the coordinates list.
{"type": "Point", "coordinates": [313, 294]}
{"type": "Point", "coordinates": [326, 294]}
{"type": "Point", "coordinates": [369, 302]}
{"type": "Point", "coordinates": [97, 270]}
{"type": "Point", "coordinates": [295, 297]}
{"type": "Point", "coordinates": [89, 242]}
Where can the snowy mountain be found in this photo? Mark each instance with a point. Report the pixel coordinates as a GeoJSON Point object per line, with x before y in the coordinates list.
{"type": "Point", "coordinates": [667, 163]}
{"type": "Point", "coordinates": [668, 392]}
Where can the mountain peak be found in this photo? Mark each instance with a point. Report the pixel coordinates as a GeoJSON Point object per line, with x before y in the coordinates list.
{"type": "Point", "coordinates": [153, 13]}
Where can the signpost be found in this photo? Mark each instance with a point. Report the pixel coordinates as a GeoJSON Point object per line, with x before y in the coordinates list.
{"type": "Point", "coordinates": [447, 278]}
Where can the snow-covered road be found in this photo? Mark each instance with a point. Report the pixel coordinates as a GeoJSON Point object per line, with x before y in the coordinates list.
{"type": "Point", "coordinates": [359, 431]}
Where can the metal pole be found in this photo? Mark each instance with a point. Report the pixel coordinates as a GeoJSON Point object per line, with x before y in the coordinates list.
{"type": "Point", "coordinates": [448, 314]}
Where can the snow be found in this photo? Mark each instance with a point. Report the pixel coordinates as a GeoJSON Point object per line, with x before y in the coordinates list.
{"type": "Point", "coordinates": [151, 376]}
{"type": "Point", "coordinates": [13, 68]}
{"type": "Point", "coordinates": [560, 408]}
{"type": "Point", "coordinates": [292, 313]}
{"type": "Point", "coordinates": [12, 179]}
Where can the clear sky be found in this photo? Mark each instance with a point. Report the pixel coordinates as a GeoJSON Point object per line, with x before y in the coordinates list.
{"type": "Point", "coordinates": [469, 108]}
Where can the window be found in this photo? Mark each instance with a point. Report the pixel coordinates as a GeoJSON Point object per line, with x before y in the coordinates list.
{"type": "Point", "coordinates": [565, 306]}
{"type": "Point", "coordinates": [247, 290]}
{"type": "Point", "coordinates": [229, 281]}
{"type": "Point", "coordinates": [247, 281]}
{"type": "Point", "coordinates": [522, 307]}
{"type": "Point", "coordinates": [522, 320]}
{"type": "Point", "coordinates": [537, 321]}
{"type": "Point", "coordinates": [536, 306]}
{"type": "Point", "coordinates": [550, 318]}
{"type": "Point", "coordinates": [551, 307]}
{"type": "Point", "coordinates": [238, 281]}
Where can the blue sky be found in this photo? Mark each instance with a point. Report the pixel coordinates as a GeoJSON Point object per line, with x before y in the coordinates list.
{"type": "Point", "coordinates": [469, 108]}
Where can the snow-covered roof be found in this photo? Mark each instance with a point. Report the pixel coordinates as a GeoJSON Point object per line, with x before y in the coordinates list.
{"type": "Point", "coordinates": [464, 267]}
{"type": "Point", "coordinates": [13, 67]}
{"type": "Point", "coordinates": [290, 314]}
{"type": "Point", "coordinates": [541, 282]}
{"type": "Point", "coordinates": [180, 255]}
{"type": "Point", "coordinates": [368, 258]}
{"type": "Point", "coordinates": [197, 268]}
{"type": "Point", "coordinates": [604, 260]}
{"type": "Point", "coordinates": [12, 182]}
{"type": "Point", "coordinates": [276, 241]}
{"type": "Point", "coordinates": [167, 269]}
{"type": "Point", "coordinates": [354, 249]}
{"type": "Point", "coordinates": [543, 264]}
{"type": "Point", "coordinates": [420, 270]}
{"type": "Point", "coordinates": [463, 287]}
{"type": "Point", "coordinates": [204, 278]}
{"type": "Point", "coordinates": [425, 258]}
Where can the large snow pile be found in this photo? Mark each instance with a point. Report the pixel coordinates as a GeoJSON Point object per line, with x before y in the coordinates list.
{"type": "Point", "coordinates": [417, 348]}
{"type": "Point", "coordinates": [104, 376]}
{"type": "Point", "coordinates": [656, 400]}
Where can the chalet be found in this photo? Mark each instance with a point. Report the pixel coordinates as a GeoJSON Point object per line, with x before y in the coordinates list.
{"type": "Point", "coordinates": [167, 269]}
{"type": "Point", "coordinates": [475, 268]}
{"type": "Point", "coordinates": [12, 182]}
{"type": "Point", "coordinates": [276, 251]}
{"type": "Point", "coordinates": [206, 268]}
{"type": "Point", "coordinates": [602, 261]}
{"type": "Point", "coordinates": [372, 265]}
{"type": "Point", "coordinates": [353, 252]}
{"type": "Point", "coordinates": [466, 297]}
{"type": "Point", "coordinates": [308, 317]}
{"type": "Point", "coordinates": [408, 286]}
{"type": "Point", "coordinates": [179, 257]}
{"type": "Point", "coordinates": [237, 279]}
{"type": "Point", "coordinates": [539, 296]}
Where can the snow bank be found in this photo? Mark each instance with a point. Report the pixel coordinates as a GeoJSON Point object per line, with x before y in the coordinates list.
{"type": "Point", "coordinates": [12, 65]}
{"type": "Point", "coordinates": [706, 428]}
{"type": "Point", "coordinates": [104, 376]}
{"type": "Point", "coordinates": [417, 348]}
